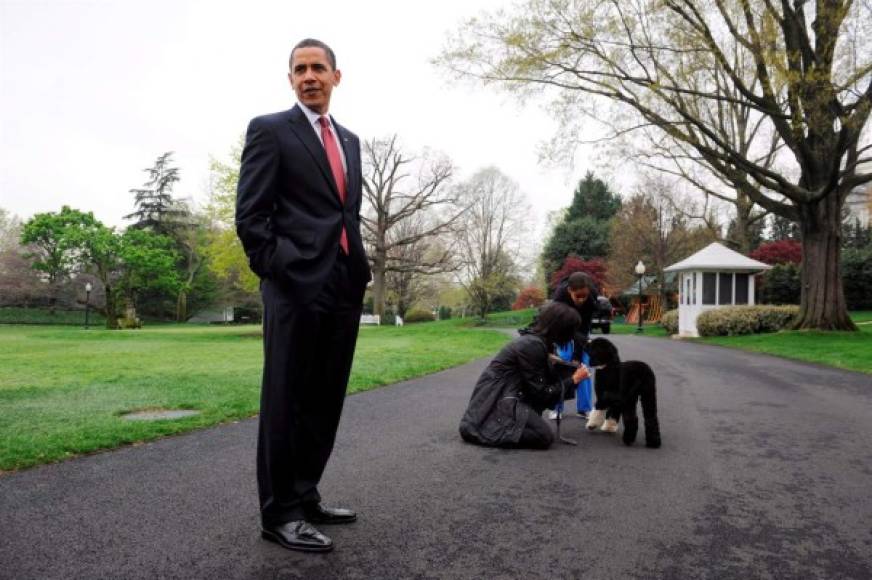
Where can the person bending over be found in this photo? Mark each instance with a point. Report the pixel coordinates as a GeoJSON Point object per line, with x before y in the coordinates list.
{"type": "Point", "coordinates": [519, 383]}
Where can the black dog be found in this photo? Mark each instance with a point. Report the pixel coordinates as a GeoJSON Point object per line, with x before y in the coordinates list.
{"type": "Point", "coordinates": [619, 386]}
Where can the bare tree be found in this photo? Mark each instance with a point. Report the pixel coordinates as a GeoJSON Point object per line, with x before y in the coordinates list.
{"type": "Point", "coordinates": [409, 206]}
{"type": "Point", "coordinates": [411, 265]}
{"type": "Point", "coordinates": [491, 236]}
{"type": "Point", "coordinates": [803, 70]}
{"type": "Point", "coordinates": [20, 284]}
{"type": "Point", "coordinates": [649, 228]}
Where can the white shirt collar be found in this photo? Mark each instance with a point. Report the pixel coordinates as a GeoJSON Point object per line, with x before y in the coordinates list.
{"type": "Point", "coordinates": [314, 118]}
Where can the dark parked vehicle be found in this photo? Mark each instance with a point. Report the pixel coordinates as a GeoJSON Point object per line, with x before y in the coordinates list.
{"type": "Point", "coordinates": [602, 316]}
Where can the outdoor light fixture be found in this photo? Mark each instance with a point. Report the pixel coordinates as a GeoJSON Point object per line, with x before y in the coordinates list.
{"type": "Point", "coordinates": [88, 289]}
{"type": "Point", "coordinates": [640, 271]}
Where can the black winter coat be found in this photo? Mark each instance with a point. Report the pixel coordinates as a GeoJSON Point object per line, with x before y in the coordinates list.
{"type": "Point", "coordinates": [517, 382]}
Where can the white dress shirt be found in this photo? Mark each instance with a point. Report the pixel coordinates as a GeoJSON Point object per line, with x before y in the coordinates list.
{"type": "Point", "coordinates": [314, 119]}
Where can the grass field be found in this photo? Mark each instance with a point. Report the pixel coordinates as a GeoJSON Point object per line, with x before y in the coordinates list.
{"type": "Point", "coordinates": [10, 315]}
{"type": "Point", "coordinates": [519, 318]}
{"type": "Point", "coordinates": [63, 389]}
{"type": "Point", "coordinates": [847, 350]}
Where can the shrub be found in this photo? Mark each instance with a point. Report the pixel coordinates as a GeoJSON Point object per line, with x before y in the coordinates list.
{"type": "Point", "coordinates": [444, 312]}
{"type": "Point", "coordinates": [736, 320]}
{"type": "Point", "coordinates": [531, 297]}
{"type": "Point", "coordinates": [669, 321]}
{"type": "Point", "coordinates": [418, 315]}
{"type": "Point", "coordinates": [781, 285]}
{"type": "Point", "coordinates": [775, 318]}
{"type": "Point", "coordinates": [857, 277]}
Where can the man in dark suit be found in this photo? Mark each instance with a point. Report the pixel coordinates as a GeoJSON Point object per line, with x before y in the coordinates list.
{"type": "Point", "coordinates": [298, 217]}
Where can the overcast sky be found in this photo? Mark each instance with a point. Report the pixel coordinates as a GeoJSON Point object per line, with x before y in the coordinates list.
{"type": "Point", "coordinates": [91, 92]}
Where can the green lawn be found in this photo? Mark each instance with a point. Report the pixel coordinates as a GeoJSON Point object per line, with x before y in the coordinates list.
{"type": "Point", "coordinates": [847, 350]}
{"type": "Point", "coordinates": [519, 318]}
{"type": "Point", "coordinates": [62, 389]}
{"type": "Point", "coordinates": [862, 316]}
{"type": "Point", "coordinates": [12, 315]}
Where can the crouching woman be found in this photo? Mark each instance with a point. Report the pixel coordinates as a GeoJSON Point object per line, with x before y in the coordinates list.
{"type": "Point", "coordinates": [519, 383]}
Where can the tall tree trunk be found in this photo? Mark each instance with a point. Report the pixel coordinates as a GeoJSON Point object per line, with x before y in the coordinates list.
{"type": "Point", "coordinates": [111, 314]}
{"type": "Point", "coordinates": [823, 304]}
{"type": "Point", "coordinates": [742, 232]}
{"type": "Point", "coordinates": [182, 306]}
{"type": "Point", "coordinates": [378, 281]}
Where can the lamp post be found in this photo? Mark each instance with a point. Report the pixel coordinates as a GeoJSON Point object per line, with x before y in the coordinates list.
{"type": "Point", "coordinates": [88, 288]}
{"type": "Point", "coordinates": [640, 272]}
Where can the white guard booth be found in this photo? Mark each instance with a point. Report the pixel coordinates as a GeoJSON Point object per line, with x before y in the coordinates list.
{"type": "Point", "coordinates": [714, 276]}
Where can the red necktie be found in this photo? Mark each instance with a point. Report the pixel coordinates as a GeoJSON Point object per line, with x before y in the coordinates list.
{"type": "Point", "coordinates": [338, 172]}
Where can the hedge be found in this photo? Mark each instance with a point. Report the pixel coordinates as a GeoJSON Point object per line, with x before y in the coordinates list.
{"type": "Point", "coordinates": [669, 321]}
{"type": "Point", "coordinates": [418, 315]}
{"type": "Point", "coordinates": [736, 320]}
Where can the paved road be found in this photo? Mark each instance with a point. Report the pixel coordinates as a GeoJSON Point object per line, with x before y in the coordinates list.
{"type": "Point", "coordinates": [766, 472]}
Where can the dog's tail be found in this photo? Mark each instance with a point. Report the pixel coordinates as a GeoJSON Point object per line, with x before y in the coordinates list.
{"type": "Point", "coordinates": [649, 412]}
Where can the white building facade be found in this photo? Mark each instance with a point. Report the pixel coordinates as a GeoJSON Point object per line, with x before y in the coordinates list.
{"type": "Point", "coordinates": [715, 276]}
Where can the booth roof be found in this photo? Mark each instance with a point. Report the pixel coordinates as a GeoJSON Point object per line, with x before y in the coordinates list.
{"type": "Point", "coordinates": [716, 256]}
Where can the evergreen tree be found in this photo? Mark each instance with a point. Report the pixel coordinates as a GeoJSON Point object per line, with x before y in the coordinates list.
{"type": "Point", "coordinates": [156, 209]}
{"type": "Point", "coordinates": [783, 228]}
{"type": "Point", "coordinates": [584, 229]}
{"type": "Point", "coordinates": [592, 199]}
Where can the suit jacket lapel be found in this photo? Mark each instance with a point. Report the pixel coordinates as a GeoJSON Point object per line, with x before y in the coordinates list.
{"type": "Point", "coordinates": [306, 133]}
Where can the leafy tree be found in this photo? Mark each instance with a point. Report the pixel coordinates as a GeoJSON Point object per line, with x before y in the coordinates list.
{"type": "Point", "coordinates": [128, 265]}
{"type": "Point", "coordinates": [148, 262]}
{"type": "Point", "coordinates": [531, 297]}
{"type": "Point", "coordinates": [647, 229]}
{"type": "Point", "coordinates": [225, 258]}
{"type": "Point", "coordinates": [595, 268]}
{"type": "Point", "coordinates": [803, 69]}
{"type": "Point", "coordinates": [101, 247]}
{"type": "Point", "coordinates": [54, 239]}
{"type": "Point", "coordinates": [780, 252]}
{"type": "Point", "coordinates": [585, 237]}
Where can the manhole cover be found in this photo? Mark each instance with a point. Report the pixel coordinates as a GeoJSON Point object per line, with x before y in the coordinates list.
{"type": "Point", "coordinates": [159, 415]}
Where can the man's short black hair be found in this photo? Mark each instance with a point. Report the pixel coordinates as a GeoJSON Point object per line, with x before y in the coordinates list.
{"type": "Point", "coordinates": [579, 280]}
{"type": "Point", "coordinates": [312, 42]}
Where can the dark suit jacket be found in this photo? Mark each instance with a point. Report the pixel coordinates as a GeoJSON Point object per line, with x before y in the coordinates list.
{"type": "Point", "coordinates": [288, 213]}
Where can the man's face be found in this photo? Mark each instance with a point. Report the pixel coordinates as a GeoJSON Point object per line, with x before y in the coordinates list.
{"type": "Point", "coordinates": [312, 77]}
{"type": "Point", "coordinates": [580, 295]}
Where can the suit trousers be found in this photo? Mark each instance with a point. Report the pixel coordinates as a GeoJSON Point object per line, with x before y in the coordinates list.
{"type": "Point", "coordinates": [308, 351]}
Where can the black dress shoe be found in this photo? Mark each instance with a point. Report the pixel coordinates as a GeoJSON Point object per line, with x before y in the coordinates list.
{"type": "Point", "coordinates": [315, 513]}
{"type": "Point", "coordinates": [298, 535]}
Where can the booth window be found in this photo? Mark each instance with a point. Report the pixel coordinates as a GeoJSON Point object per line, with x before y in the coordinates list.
{"type": "Point", "coordinates": [741, 288]}
{"type": "Point", "coordinates": [709, 287]}
{"type": "Point", "coordinates": [725, 288]}
{"type": "Point", "coordinates": [695, 276]}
